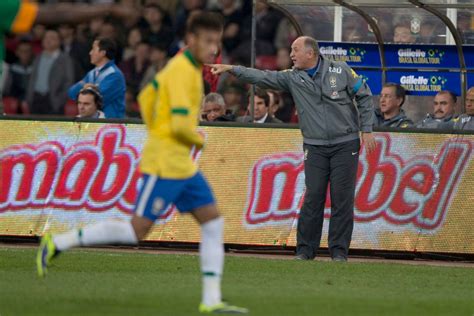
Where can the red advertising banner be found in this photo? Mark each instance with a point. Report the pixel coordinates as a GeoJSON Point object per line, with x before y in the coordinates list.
{"type": "Point", "coordinates": [413, 193]}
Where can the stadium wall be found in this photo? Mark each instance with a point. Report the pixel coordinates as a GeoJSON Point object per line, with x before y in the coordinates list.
{"type": "Point", "coordinates": [414, 193]}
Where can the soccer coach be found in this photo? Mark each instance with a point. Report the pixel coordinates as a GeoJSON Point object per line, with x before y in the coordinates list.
{"type": "Point", "coordinates": [334, 108]}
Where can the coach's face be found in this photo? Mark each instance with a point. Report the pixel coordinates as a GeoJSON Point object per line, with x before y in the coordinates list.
{"type": "Point", "coordinates": [302, 57]}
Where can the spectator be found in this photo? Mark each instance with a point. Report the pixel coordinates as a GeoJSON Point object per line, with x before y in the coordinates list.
{"type": "Point", "coordinates": [261, 109]}
{"type": "Point", "coordinates": [286, 110]}
{"type": "Point", "coordinates": [134, 68]}
{"type": "Point", "coordinates": [402, 34]}
{"type": "Point", "coordinates": [183, 13]}
{"type": "Point", "coordinates": [20, 72]}
{"type": "Point", "coordinates": [285, 35]}
{"type": "Point", "coordinates": [134, 38]}
{"type": "Point", "coordinates": [267, 24]}
{"type": "Point", "coordinates": [444, 105]}
{"type": "Point", "coordinates": [232, 18]}
{"type": "Point", "coordinates": [158, 60]}
{"type": "Point", "coordinates": [157, 32]}
{"type": "Point", "coordinates": [107, 76]}
{"type": "Point", "coordinates": [390, 113]}
{"type": "Point", "coordinates": [131, 106]}
{"type": "Point", "coordinates": [283, 59]}
{"type": "Point", "coordinates": [109, 29]}
{"type": "Point", "coordinates": [89, 102]}
{"type": "Point", "coordinates": [75, 49]}
{"type": "Point", "coordinates": [53, 73]}
{"type": "Point", "coordinates": [466, 121]}
{"type": "Point", "coordinates": [233, 96]}
{"type": "Point", "coordinates": [274, 102]}
{"type": "Point", "coordinates": [213, 108]}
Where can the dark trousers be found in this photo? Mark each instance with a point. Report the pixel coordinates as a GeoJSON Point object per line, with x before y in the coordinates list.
{"type": "Point", "coordinates": [336, 165]}
{"type": "Point", "coordinates": [41, 104]}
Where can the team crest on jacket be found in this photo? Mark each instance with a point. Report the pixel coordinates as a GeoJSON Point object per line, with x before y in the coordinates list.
{"type": "Point", "coordinates": [333, 81]}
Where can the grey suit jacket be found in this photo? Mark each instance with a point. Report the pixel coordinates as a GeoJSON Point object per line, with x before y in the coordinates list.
{"type": "Point", "coordinates": [60, 79]}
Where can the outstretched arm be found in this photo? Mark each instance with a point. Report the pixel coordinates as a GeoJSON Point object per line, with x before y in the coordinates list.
{"type": "Point", "coordinates": [278, 80]}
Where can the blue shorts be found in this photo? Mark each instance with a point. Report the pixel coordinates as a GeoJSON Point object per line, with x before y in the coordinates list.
{"type": "Point", "coordinates": [156, 194]}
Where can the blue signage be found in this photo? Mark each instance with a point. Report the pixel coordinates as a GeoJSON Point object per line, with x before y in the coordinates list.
{"type": "Point", "coordinates": [426, 83]}
{"type": "Point", "coordinates": [469, 55]}
{"type": "Point", "coordinates": [373, 79]}
{"type": "Point", "coordinates": [355, 55]}
{"type": "Point", "coordinates": [421, 56]}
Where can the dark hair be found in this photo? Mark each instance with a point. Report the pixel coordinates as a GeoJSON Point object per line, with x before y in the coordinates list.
{"type": "Point", "coordinates": [262, 94]}
{"type": "Point", "coordinates": [108, 45]}
{"type": "Point", "coordinates": [205, 20]}
{"type": "Point", "coordinates": [400, 92]}
{"type": "Point", "coordinates": [94, 92]}
{"type": "Point", "coordinates": [451, 94]}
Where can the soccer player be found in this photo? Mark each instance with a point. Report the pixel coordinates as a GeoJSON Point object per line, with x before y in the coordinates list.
{"type": "Point", "coordinates": [170, 107]}
{"type": "Point", "coordinates": [18, 16]}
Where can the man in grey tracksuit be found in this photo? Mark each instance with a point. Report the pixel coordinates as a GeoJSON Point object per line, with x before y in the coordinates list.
{"type": "Point", "coordinates": [444, 107]}
{"type": "Point", "coordinates": [324, 92]}
{"type": "Point", "coordinates": [465, 121]}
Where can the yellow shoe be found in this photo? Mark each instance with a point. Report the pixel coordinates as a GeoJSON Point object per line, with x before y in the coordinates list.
{"type": "Point", "coordinates": [222, 308]}
{"type": "Point", "coordinates": [46, 252]}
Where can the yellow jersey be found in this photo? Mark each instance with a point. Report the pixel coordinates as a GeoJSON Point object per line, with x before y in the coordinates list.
{"type": "Point", "coordinates": [170, 107]}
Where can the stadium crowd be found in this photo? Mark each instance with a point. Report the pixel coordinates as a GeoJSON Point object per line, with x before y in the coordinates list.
{"type": "Point", "coordinates": [109, 60]}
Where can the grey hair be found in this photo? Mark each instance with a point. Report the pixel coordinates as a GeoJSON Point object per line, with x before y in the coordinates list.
{"type": "Point", "coordinates": [214, 98]}
{"type": "Point", "coordinates": [311, 44]}
{"type": "Point", "coordinates": [471, 89]}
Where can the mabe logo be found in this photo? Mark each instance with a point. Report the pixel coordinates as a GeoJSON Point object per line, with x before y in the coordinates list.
{"type": "Point", "coordinates": [400, 190]}
{"type": "Point", "coordinates": [96, 176]}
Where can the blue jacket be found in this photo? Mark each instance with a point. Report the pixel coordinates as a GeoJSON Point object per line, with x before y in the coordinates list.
{"type": "Point", "coordinates": [111, 84]}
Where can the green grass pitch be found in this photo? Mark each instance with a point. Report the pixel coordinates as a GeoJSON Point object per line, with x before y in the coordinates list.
{"type": "Point", "coordinates": [85, 282]}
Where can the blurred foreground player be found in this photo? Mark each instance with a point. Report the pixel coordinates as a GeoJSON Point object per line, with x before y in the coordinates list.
{"type": "Point", "coordinates": [170, 107]}
{"type": "Point", "coordinates": [18, 16]}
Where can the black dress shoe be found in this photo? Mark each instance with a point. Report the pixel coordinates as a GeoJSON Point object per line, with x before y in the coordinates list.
{"type": "Point", "coordinates": [339, 259]}
{"type": "Point", "coordinates": [302, 257]}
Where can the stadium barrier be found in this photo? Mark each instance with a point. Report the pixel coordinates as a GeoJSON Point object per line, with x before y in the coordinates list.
{"type": "Point", "coordinates": [414, 193]}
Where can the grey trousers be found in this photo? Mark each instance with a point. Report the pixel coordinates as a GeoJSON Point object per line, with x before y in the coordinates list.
{"type": "Point", "coordinates": [336, 165]}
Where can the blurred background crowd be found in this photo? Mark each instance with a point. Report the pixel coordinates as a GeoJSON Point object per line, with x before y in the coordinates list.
{"type": "Point", "coordinates": [42, 66]}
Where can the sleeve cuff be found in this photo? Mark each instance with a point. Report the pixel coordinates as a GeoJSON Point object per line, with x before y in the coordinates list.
{"type": "Point", "coordinates": [236, 70]}
{"type": "Point", "coordinates": [366, 129]}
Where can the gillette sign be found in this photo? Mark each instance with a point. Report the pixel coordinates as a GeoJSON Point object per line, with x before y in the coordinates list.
{"type": "Point", "coordinates": [421, 56]}
{"type": "Point", "coordinates": [364, 55]}
{"type": "Point", "coordinates": [426, 83]}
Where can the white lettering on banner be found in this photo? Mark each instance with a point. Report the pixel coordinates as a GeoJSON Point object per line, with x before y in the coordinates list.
{"type": "Point", "coordinates": [330, 50]}
{"type": "Point", "coordinates": [413, 80]}
{"type": "Point", "coordinates": [408, 52]}
{"type": "Point", "coordinates": [401, 191]}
